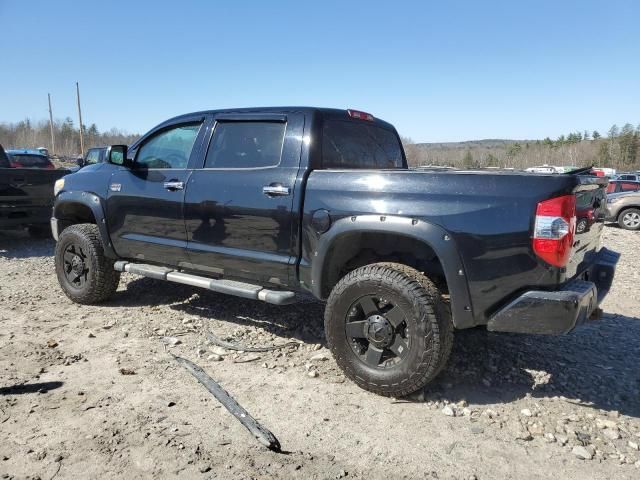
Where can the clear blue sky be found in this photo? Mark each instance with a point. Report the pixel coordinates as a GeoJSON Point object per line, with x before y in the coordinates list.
{"type": "Point", "coordinates": [440, 71]}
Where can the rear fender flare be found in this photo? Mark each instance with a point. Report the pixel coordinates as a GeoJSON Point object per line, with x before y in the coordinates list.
{"type": "Point", "coordinates": [431, 235]}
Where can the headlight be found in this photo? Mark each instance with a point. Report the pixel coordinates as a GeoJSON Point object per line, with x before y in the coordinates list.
{"type": "Point", "coordinates": [59, 185]}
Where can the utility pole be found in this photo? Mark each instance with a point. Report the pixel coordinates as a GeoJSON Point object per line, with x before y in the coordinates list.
{"type": "Point", "coordinates": [80, 118]}
{"type": "Point", "coordinates": [53, 140]}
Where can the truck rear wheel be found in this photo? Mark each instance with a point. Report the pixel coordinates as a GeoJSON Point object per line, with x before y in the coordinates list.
{"type": "Point", "coordinates": [388, 328]}
{"type": "Point", "coordinates": [85, 274]}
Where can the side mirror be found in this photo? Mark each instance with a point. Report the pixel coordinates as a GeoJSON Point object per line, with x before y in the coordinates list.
{"type": "Point", "coordinates": [117, 155]}
{"type": "Point", "coordinates": [80, 162]}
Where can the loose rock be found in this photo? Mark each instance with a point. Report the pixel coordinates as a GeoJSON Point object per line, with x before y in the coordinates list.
{"type": "Point", "coordinates": [584, 453]}
{"type": "Point", "coordinates": [172, 341]}
{"type": "Point", "coordinates": [448, 411]}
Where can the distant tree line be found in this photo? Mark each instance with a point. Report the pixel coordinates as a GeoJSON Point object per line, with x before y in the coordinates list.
{"type": "Point", "coordinates": [29, 134]}
{"type": "Point", "coordinates": [619, 149]}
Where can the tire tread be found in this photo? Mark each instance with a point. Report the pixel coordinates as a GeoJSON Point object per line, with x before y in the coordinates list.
{"type": "Point", "coordinates": [104, 281]}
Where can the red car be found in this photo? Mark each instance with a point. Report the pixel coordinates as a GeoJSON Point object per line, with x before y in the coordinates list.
{"type": "Point", "coordinates": [585, 211]}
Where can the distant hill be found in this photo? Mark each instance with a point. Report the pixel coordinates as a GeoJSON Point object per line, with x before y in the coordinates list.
{"type": "Point", "coordinates": [470, 144]}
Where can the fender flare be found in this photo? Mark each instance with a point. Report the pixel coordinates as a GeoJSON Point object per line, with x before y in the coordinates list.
{"type": "Point", "coordinates": [431, 235]}
{"type": "Point", "coordinates": [95, 204]}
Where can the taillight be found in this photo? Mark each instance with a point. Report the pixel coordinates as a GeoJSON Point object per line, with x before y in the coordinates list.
{"type": "Point", "coordinates": [554, 229]}
{"type": "Point", "coordinates": [360, 115]}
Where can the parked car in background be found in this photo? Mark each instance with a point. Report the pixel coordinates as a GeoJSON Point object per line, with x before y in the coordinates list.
{"type": "Point", "coordinates": [604, 172]}
{"type": "Point", "coordinates": [617, 186]}
{"type": "Point", "coordinates": [26, 194]}
{"type": "Point", "coordinates": [29, 159]}
{"type": "Point", "coordinates": [44, 151]}
{"type": "Point", "coordinates": [4, 160]}
{"type": "Point", "coordinates": [624, 208]}
{"type": "Point", "coordinates": [542, 169]}
{"type": "Point", "coordinates": [633, 177]}
{"type": "Point", "coordinates": [93, 156]}
{"type": "Point", "coordinates": [586, 205]}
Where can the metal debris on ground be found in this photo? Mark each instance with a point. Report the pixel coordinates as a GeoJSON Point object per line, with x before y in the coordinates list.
{"type": "Point", "coordinates": [246, 359]}
{"type": "Point", "coordinates": [261, 434]}
{"type": "Point", "coordinates": [244, 348]}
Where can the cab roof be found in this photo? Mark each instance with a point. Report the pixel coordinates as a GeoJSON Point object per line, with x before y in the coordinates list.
{"type": "Point", "coordinates": [334, 113]}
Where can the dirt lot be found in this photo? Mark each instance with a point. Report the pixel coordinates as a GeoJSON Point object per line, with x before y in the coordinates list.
{"type": "Point", "coordinates": [506, 407]}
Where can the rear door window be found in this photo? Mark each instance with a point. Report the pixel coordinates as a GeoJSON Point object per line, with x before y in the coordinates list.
{"type": "Point", "coordinates": [348, 144]}
{"type": "Point", "coordinates": [246, 144]}
{"type": "Point", "coordinates": [169, 148]}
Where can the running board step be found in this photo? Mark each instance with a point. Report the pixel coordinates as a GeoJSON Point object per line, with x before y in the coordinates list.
{"type": "Point", "coordinates": [230, 287]}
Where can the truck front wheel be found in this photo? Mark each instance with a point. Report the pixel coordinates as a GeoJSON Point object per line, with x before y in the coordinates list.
{"type": "Point", "coordinates": [388, 328]}
{"type": "Point", "coordinates": [85, 274]}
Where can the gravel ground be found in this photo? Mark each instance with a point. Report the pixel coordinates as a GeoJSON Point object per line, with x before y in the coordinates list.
{"type": "Point", "coordinates": [94, 391]}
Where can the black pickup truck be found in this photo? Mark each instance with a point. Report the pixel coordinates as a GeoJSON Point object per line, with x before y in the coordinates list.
{"type": "Point", "coordinates": [271, 203]}
{"type": "Point", "coordinates": [26, 197]}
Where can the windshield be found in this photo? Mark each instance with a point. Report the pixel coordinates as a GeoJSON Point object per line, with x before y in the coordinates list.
{"type": "Point", "coordinates": [350, 144]}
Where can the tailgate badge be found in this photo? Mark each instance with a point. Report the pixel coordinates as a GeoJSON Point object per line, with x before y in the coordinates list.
{"type": "Point", "coordinates": [115, 187]}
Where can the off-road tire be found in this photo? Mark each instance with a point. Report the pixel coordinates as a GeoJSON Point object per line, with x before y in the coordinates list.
{"type": "Point", "coordinates": [427, 316]}
{"type": "Point", "coordinates": [101, 280]}
{"type": "Point", "coordinates": [621, 219]}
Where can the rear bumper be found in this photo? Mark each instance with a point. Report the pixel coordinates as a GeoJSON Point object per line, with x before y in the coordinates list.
{"type": "Point", "coordinates": [560, 311]}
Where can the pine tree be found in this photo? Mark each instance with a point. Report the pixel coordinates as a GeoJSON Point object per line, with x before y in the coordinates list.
{"type": "Point", "coordinates": [467, 160]}
{"type": "Point", "coordinates": [595, 135]}
{"type": "Point", "coordinates": [627, 141]}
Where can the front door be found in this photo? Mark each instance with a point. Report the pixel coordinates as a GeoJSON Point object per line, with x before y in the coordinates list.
{"type": "Point", "coordinates": [145, 202]}
{"type": "Point", "coordinates": [238, 207]}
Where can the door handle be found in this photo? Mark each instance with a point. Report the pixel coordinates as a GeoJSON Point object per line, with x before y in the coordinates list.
{"type": "Point", "coordinates": [174, 185]}
{"type": "Point", "coordinates": [275, 190]}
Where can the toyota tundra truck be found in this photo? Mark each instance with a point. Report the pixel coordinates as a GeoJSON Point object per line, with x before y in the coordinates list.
{"type": "Point", "coordinates": [271, 204]}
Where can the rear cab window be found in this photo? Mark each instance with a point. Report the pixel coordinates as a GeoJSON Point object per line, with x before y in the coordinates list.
{"type": "Point", "coordinates": [356, 144]}
{"type": "Point", "coordinates": [246, 144]}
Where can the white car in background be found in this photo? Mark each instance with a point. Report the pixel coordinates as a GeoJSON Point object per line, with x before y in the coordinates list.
{"type": "Point", "coordinates": [542, 169]}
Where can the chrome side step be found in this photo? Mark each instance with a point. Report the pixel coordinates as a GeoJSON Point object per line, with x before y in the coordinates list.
{"type": "Point", "coordinates": [229, 287]}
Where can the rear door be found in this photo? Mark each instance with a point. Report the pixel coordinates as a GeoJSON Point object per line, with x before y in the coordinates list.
{"type": "Point", "coordinates": [145, 203]}
{"type": "Point", "coordinates": [238, 203]}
